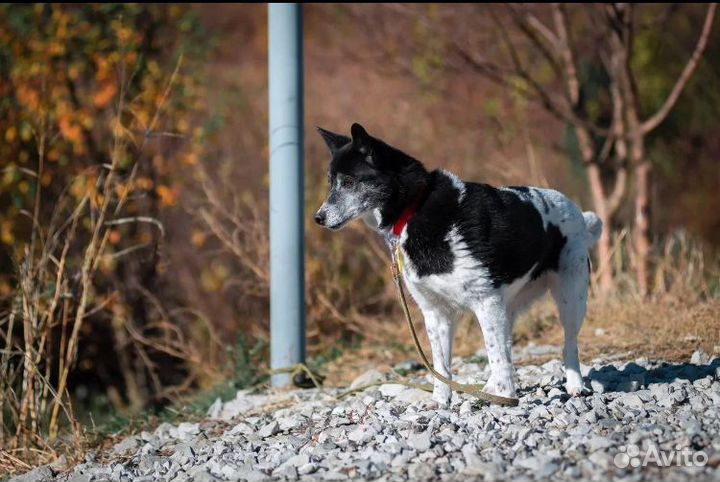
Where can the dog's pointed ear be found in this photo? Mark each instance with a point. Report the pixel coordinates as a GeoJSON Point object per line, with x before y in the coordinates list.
{"type": "Point", "coordinates": [333, 141]}
{"type": "Point", "coordinates": [360, 137]}
{"type": "Point", "coordinates": [363, 142]}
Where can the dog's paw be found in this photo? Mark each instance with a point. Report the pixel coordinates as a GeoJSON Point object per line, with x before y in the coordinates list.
{"type": "Point", "coordinates": [574, 385]}
{"type": "Point", "coordinates": [575, 390]}
{"type": "Point", "coordinates": [442, 395]}
{"type": "Point", "coordinates": [501, 387]}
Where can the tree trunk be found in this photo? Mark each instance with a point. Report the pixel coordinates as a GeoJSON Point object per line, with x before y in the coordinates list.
{"type": "Point", "coordinates": [642, 223]}
{"type": "Point", "coordinates": [604, 243]}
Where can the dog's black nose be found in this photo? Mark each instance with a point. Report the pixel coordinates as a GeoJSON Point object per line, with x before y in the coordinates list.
{"type": "Point", "coordinates": [320, 218]}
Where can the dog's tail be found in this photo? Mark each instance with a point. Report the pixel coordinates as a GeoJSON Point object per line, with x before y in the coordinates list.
{"type": "Point", "coordinates": [593, 225]}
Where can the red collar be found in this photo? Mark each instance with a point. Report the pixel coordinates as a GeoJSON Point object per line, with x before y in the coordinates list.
{"type": "Point", "coordinates": [408, 213]}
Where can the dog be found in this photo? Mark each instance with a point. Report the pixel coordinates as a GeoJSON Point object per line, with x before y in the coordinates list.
{"type": "Point", "coordinates": [467, 246]}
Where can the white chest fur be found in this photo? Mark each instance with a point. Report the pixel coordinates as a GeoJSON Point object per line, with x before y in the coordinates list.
{"type": "Point", "coordinates": [460, 288]}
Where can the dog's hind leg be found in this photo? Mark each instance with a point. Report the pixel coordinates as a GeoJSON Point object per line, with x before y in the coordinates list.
{"type": "Point", "coordinates": [569, 288]}
{"type": "Point", "coordinates": [497, 331]}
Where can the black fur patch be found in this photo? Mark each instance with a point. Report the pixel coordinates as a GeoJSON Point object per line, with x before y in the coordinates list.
{"type": "Point", "coordinates": [522, 189]}
{"type": "Point", "coordinates": [553, 243]}
{"type": "Point", "coordinates": [503, 231]}
{"type": "Point", "coordinates": [427, 245]}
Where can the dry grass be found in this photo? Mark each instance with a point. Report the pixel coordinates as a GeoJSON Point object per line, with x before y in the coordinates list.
{"type": "Point", "coordinates": [662, 329]}
{"type": "Point", "coordinates": [57, 295]}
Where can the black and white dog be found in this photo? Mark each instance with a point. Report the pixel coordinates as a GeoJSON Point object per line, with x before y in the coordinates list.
{"type": "Point", "coordinates": [467, 246]}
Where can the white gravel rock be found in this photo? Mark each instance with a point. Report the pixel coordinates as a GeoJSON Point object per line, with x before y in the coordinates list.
{"type": "Point", "coordinates": [362, 434]}
{"type": "Point", "coordinates": [413, 395]}
{"type": "Point", "coordinates": [391, 390]}
{"type": "Point", "coordinates": [215, 409]}
{"type": "Point", "coordinates": [130, 444]}
{"type": "Point", "coordinates": [699, 357]}
{"type": "Point", "coordinates": [268, 430]}
{"type": "Point", "coordinates": [38, 474]}
{"type": "Point", "coordinates": [367, 378]}
{"type": "Point", "coordinates": [244, 402]}
{"type": "Point", "coordinates": [420, 441]}
{"type": "Point", "coordinates": [185, 430]}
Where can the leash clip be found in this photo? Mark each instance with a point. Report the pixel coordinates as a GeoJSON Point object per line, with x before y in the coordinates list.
{"type": "Point", "coordinates": [394, 245]}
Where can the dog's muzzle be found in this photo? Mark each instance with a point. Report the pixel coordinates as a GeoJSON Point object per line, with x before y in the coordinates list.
{"type": "Point", "coordinates": [320, 217]}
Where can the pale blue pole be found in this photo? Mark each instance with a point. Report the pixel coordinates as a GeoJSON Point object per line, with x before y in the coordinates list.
{"type": "Point", "coordinates": [287, 267]}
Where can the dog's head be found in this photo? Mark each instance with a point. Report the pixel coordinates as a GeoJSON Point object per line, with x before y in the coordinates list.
{"type": "Point", "coordinates": [362, 177]}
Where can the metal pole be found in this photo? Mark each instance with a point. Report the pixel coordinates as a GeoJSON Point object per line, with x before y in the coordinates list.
{"type": "Point", "coordinates": [287, 278]}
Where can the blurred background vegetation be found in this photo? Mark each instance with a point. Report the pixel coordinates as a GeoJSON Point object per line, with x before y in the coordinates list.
{"type": "Point", "coordinates": [133, 186]}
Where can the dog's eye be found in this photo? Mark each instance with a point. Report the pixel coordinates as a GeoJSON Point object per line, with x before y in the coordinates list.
{"type": "Point", "coordinates": [347, 182]}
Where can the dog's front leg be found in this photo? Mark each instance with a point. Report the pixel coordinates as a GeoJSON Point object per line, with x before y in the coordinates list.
{"type": "Point", "coordinates": [440, 326]}
{"type": "Point", "coordinates": [497, 332]}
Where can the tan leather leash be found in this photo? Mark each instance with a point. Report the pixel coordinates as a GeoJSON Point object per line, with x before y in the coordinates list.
{"type": "Point", "coordinates": [471, 389]}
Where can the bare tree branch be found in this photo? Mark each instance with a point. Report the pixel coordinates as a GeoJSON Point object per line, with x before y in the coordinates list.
{"type": "Point", "coordinates": [616, 197]}
{"type": "Point", "coordinates": [542, 29]}
{"type": "Point", "coordinates": [535, 91]}
{"type": "Point", "coordinates": [504, 78]}
{"type": "Point", "coordinates": [687, 72]}
{"type": "Point", "coordinates": [533, 29]}
{"type": "Point", "coordinates": [544, 97]}
{"type": "Point", "coordinates": [490, 70]}
{"type": "Point", "coordinates": [618, 138]}
{"type": "Point", "coordinates": [566, 52]}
